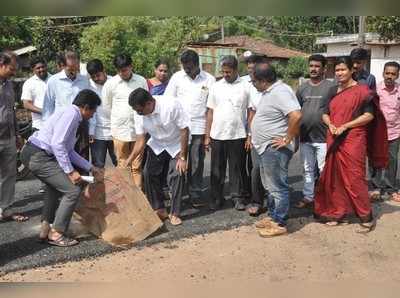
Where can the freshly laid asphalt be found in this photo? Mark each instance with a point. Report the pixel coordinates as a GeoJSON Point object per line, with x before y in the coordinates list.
{"type": "Point", "coordinates": [19, 248]}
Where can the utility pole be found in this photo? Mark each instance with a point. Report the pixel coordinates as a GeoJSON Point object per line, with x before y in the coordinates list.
{"type": "Point", "coordinates": [361, 31]}
{"type": "Point", "coordinates": [222, 30]}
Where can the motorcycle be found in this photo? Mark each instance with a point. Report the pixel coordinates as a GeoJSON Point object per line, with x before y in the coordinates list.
{"type": "Point", "coordinates": [25, 131]}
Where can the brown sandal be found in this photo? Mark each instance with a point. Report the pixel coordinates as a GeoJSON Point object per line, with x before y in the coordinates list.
{"type": "Point", "coordinates": [63, 241]}
{"type": "Point", "coordinates": [304, 203]}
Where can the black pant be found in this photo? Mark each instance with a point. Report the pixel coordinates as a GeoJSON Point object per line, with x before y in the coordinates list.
{"type": "Point", "coordinates": [222, 153]}
{"type": "Point", "coordinates": [154, 174]}
{"type": "Point", "coordinates": [98, 150]}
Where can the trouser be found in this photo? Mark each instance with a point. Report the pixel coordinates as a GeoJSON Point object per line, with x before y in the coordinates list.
{"type": "Point", "coordinates": [386, 179]}
{"type": "Point", "coordinates": [246, 174]}
{"type": "Point", "coordinates": [154, 170]}
{"type": "Point", "coordinates": [196, 166]}
{"type": "Point", "coordinates": [122, 151]}
{"type": "Point", "coordinates": [225, 152]}
{"type": "Point", "coordinates": [99, 150]}
{"type": "Point", "coordinates": [311, 154]}
{"type": "Point", "coordinates": [82, 142]}
{"type": "Point", "coordinates": [8, 173]}
{"type": "Point", "coordinates": [257, 190]}
{"type": "Point", "coordinates": [274, 166]}
{"type": "Point", "coordinates": [62, 194]}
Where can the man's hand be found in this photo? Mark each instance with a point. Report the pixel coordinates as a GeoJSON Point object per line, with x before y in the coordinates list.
{"type": "Point", "coordinates": [75, 177]}
{"type": "Point", "coordinates": [98, 174]}
{"type": "Point", "coordinates": [127, 163]}
{"type": "Point", "coordinates": [207, 141]}
{"type": "Point", "coordinates": [280, 142]}
{"type": "Point", "coordinates": [181, 166]}
{"type": "Point", "coordinates": [19, 142]}
{"type": "Point", "coordinates": [91, 139]}
{"type": "Point", "coordinates": [247, 144]}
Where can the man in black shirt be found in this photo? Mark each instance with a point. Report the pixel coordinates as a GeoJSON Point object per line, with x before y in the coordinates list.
{"type": "Point", "coordinates": [314, 96]}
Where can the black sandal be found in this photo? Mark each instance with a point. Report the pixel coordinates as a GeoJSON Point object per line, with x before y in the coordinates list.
{"type": "Point", "coordinates": [63, 241]}
{"type": "Point", "coordinates": [367, 227]}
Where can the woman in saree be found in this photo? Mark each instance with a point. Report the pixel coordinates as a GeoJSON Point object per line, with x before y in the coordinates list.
{"type": "Point", "coordinates": [159, 82]}
{"type": "Point", "coordinates": [342, 189]}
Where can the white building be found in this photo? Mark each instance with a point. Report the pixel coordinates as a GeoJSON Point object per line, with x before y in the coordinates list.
{"type": "Point", "coordinates": [380, 51]}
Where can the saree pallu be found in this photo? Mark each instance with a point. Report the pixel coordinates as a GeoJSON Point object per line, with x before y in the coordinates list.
{"type": "Point", "coordinates": [342, 189]}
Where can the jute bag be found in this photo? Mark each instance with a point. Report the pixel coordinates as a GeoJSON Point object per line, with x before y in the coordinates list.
{"type": "Point", "coordinates": [116, 210]}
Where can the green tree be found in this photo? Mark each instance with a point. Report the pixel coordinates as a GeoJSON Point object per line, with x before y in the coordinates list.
{"type": "Point", "coordinates": [14, 32]}
{"type": "Point", "coordinates": [388, 27]}
{"type": "Point", "coordinates": [145, 38]}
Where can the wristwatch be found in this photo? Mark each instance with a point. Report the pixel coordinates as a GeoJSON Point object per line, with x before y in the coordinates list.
{"type": "Point", "coordinates": [182, 158]}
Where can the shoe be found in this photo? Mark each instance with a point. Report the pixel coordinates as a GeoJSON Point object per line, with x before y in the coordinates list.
{"type": "Point", "coordinates": [263, 223]}
{"type": "Point", "coordinates": [273, 230]}
{"type": "Point", "coordinates": [175, 220]}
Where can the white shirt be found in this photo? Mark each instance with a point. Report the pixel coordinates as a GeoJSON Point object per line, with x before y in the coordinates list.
{"type": "Point", "coordinates": [100, 123]}
{"type": "Point", "coordinates": [33, 90]}
{"type": "Point", "coordinates": [193, 96]}
{"type": "Point", "coordinates": [229, 103]}
{"type": "Point", "coordinates": [164, 125]}
{"type": "Point", "coordinates": [255, 95]}
{"type": "Point", "coordinates": [115, 96]}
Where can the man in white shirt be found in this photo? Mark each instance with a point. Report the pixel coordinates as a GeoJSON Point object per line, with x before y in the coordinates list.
{"type": "Point", "coordinates": [227, 132]}
{"type": "Point", "coordinates": [61, 90]}
{"type": "Point", "coordinates": [191, 86]}
{"type": "Point", "coordinates": [164, 119]}
{"type": "Point", "coordinates": [100, 138]}
{"type": "Point", "coordinates": [115, 96]}
{"type": "Point", "coordinates": [33, 92]}
{"type": "Point", "coordinates": [34, 89]}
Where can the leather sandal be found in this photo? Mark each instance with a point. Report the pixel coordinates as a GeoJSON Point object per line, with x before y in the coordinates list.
{"type": "Point", "coordinates": [63, 241]}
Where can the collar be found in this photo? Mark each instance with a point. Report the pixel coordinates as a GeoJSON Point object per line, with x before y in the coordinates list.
{"type": "Point", "coordinates": [39, 79]}
{"type": "Point", "coordinates": [396, 88]}
{"type": "Point", "coordinates": [130, 80]}
{"type": "Point", "coordinates": [201, 75]}
{"type": "Point", "coordinates": [238, 80]}
{"type": "Point", "coordinates": [274, 85]}
{"type": "Point", "coordinates": [157, 107]}
{"type": "Point", "coordinates": [363, 75]}
{"type": "Point", "coordinates": [63, 76]}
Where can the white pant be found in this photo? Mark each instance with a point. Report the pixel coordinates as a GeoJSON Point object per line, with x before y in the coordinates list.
{"type": "Point", "coordinates": [311, 154]}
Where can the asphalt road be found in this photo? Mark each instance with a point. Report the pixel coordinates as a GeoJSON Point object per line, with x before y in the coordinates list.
{"type": "Point", "coordinates": [19, 248]}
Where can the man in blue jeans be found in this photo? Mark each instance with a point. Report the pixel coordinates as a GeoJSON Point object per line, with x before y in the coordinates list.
{"type": "Point", "coordinates": [273, 129]}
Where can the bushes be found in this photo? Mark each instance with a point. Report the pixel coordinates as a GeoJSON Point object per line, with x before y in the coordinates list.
{"type": "Point", "coordinates": [295, 68]}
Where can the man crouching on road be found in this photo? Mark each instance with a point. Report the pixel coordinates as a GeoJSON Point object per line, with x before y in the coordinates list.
{"type": "Point", "coordinates": [51, 157]}
{"type": "Point", "coordinates": [275, 124]}
{"type": "Point", "coordinates": [164, 119]}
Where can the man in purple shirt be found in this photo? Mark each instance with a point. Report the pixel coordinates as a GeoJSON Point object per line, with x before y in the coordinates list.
{"type": "Point", "coordinates": [51, 157]}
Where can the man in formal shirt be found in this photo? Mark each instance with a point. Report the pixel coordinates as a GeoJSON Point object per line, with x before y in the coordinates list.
{"type": "Point", "coordinates": [61, 90]}
{"type": "Point", "coordinates": [191, 86]}
{"type": "Point", "coordinates": [9, 139]}
{"type": "Point", "coordinates": [100, 137]}
{"type": "Point", "coordinates": [33, 91]}
{"type": "Point", "coordinates": [51, 157]}
{"type": "Point", "coordinates": [226, 133]}
{"type": "Point", "coordinates": [115, 97]}
{"type": "Point", "coordinates": [389, 102]}
{"type": "Point", "coordinates": [276, 123]}
{"type": "Point", "coordinates": [164, 119]}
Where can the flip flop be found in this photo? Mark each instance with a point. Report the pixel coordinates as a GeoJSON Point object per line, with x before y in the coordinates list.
{"type": "Point", "coordinates": [63, 241]}
{"type": "Point", "coordinates": [367, 227]}
{"type": "Point", "coordinates": [395, 197]}
{"type": "Point", "coordinates": [14, 217]}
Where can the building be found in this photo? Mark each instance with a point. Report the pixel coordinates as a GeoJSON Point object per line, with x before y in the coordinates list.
{"type": "Point", "coordinates": [380, 51]}
{"type": "Point", "coordinates": [211, 52]}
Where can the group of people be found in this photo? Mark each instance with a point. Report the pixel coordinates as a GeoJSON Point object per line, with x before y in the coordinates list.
{"type": "Point", "coordinates": [161, 129]}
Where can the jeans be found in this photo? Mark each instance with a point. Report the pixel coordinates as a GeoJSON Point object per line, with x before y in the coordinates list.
{"type": "Point", "coordinates": [257, 190]}
{"type": "Point", "coordinates": [386, 179]}
{"type": "Point", "coordinates": [312, 154]}
{"type": "Point", "coordinates": [274, 166]}
{"type": "Point", "coordinates": [98, 150]}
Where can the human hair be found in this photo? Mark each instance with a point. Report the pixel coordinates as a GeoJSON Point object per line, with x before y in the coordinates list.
{"type": "Point", "coordinates": [6, 57]}
{"type": "Point", "coordinates": [121, 61]}
{"type": "Point", "coordinates": [139, 97]}
{"type": "Point", "coordinates": [87, 97]}
{"type": "Point", "coordinates": [71, 56]}
{"type": "Point", "coordinates": [265, 72]}
{"type": "Point", "coordinates": [94, 66]}
{"type": "Point", "coordinates": [345, 60]}
{"type": "Point", "coordinates": [229, 61]}
{"type": "Point", "coordinates": [318, 58]}
{"type": "Point", "coordinates": [256, 58]}
{"type": "Point", "coordinates": [359, 54]}
{"type": "Point", "coordinates": [36, 60]}
{"type": "Point", "coordinates": [392, 64]}
{"type": "Point", "coordinates": [60, 59]}
{"type": "Point", "coordinates": [190, 56]}
{"type": "Point", "coordinates": [161, 61]}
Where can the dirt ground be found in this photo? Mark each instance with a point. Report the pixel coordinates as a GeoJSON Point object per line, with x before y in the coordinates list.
{"type": "Point", "coordinates": [311, 252]}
